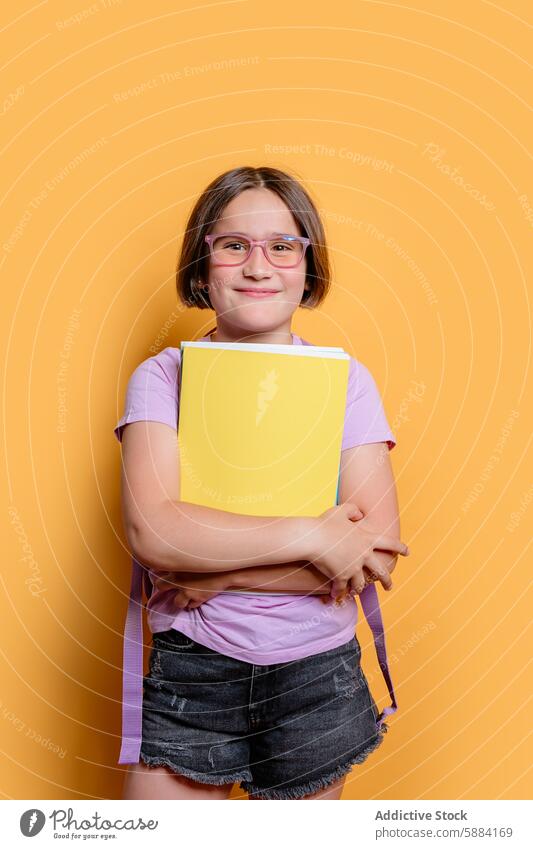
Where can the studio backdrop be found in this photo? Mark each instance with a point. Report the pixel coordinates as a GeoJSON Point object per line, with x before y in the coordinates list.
{"type": "Point", "coordinates": [407, 123]}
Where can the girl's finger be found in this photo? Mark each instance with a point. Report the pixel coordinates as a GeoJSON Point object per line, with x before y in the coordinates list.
{"type": "Point", "coordinates": [389, 543]}
{"type": "Point", "coordinates": [194, 604]}
{"type": "Point", "coordinates": [357, 585]}
{"type": "Point", "coordinates": [180, 601]}
{"type": "Point", "coordinates": [380, 572]}
{"type": "Point", "coordinates": [341, 591]}
{"type": "Point", "coordinates": [338, 585]}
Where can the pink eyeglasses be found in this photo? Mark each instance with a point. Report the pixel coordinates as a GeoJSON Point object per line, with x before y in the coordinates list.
{"type": "Point", "coordinates": [282, 250]}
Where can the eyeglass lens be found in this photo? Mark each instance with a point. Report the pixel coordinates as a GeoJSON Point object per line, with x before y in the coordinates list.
{"type": "Point", "coordinates": [234, 250]}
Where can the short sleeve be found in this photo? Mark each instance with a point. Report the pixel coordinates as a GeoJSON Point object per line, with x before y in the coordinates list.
{"type": "Point", "coordinates": [152, 392]}
{"type": "Point", "coordinates": [365, 420]}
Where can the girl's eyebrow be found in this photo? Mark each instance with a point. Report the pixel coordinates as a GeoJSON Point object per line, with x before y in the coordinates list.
{"type": "Point", "coordinates": [238, 233]}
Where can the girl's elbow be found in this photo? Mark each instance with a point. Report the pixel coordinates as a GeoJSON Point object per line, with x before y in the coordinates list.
{"type": "Point", "coordinates": [141, 545]}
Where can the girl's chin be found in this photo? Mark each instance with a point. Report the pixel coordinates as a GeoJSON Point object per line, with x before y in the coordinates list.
{"type": "Point", "coordinates": [257, 314]}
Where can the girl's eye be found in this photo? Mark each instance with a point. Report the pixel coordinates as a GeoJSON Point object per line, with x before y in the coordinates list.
{"type": "Point", "coordinates": [234, 245]}
{"type": "Point", "coordinates": [287, 246]}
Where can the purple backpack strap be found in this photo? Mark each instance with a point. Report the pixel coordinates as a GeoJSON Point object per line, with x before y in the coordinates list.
{"type": "Point", "coordinates": [370, 603]}
{"type": "Point", "coordinates": [132, 668]}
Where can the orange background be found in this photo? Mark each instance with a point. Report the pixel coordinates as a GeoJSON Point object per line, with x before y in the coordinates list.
{"type": "Point", "coordinates": [410, 122]}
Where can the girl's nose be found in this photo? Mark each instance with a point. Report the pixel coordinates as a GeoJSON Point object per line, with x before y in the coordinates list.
{"type": "Point", "coordinates": [257, 263]}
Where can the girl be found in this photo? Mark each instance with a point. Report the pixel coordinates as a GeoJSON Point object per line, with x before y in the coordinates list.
{"type": "Point", "coordinates": [251, 678]}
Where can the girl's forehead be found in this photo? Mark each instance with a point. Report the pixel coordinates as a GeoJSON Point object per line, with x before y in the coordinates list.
{"type": "Point", "coordinates": [258, 202]}
{"type": "Point", "coordinates": [256, 219]}
{"type": "Point", "coordinates": [256, 215]}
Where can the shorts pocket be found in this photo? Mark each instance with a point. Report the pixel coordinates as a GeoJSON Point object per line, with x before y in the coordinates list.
{"type": "Point", "coordinates": [173, 640]}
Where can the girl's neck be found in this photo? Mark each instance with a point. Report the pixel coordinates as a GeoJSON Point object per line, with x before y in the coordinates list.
{"type": "Point", "coordinates": [279, 338]}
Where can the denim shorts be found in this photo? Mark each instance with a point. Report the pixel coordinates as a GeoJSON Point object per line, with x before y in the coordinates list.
{"type": "Point", "coordinates": [283, 731]}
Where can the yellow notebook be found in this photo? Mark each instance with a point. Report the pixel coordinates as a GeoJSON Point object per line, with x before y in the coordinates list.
{"type": "Point", "coordinates": [260, 426]}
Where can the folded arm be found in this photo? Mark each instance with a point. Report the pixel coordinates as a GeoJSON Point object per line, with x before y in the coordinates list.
{"type": "Point", "coordinates": [366, 479]}
{"type": "Point", "coordinates": [241, 551]}
{"type": "Point", "coordinates": [168, 534]}
{"type": "Point", "coordinates": [191, 589]}
{"type": "Point", "coordinates": [300, 577]}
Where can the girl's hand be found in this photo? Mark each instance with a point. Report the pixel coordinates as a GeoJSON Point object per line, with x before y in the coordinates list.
{"type": "Point", "coordinates": [190, 589]}
{"type": "Point", "coordinates": [344, 549]}
{"type": "Point", "coordinates": [338, 590]}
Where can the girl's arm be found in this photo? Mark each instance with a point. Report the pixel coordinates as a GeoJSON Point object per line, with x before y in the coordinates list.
{"type": "Point", "coordinates": [189, 590]}
{"type": "Point", "coordinates": [367, 479]}
{"type": "Point", "coordinates": [299, 577]}
{"type": "Point", "coordinates": [288, 578]}
{"type": "Point", "coordinates": [177, 536]}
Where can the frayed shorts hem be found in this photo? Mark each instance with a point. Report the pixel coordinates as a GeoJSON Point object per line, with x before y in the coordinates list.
{"type": "Point", "coordinates": [302, 790]}
{"type": "Point", "coordinates": [200, 777]}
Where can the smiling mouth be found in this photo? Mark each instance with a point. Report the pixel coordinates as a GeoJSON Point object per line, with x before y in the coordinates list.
{"type": "Point", "coordinates": [258, 291]}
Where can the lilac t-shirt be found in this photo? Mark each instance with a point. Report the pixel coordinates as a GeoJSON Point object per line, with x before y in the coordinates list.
{"type": "Point", "coordinates": [260, 628]}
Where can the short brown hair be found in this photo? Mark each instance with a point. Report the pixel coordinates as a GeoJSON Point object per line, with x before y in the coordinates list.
{"type": "Point", "coordinates": [192, 264]}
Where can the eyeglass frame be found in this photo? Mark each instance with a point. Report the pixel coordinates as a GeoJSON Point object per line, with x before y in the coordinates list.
{"type": "Point", "coordinates": [253, 242]}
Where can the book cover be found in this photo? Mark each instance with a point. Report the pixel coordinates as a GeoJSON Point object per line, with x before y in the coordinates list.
{"type": "Point", "coordinates": [260, 426]}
